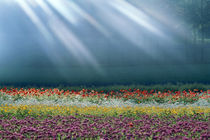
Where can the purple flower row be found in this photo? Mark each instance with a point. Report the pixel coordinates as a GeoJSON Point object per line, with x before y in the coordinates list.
{"type": "Point", "coordinates": [103, 127]}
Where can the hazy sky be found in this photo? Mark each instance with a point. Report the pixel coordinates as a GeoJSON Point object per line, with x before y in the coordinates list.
{"type": "Point", "coordinates": [77, 29]}
{"type": "Point", "coordinates": [94, 33]}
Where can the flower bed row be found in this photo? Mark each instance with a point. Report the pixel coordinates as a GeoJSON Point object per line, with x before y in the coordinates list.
{"type": "Point", "coordinates": [136, 95]}
{"type": "Point", "coordinates": [105, 127]}
{"type": "Point", "coordinates": [44, 110]}
{"type": "Point", "coordinates": [88, 114]}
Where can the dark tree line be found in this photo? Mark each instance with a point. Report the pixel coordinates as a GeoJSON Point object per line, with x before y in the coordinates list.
{"type": "Point", "coordinates": [193, 14]}
{"type": "Point", "coordinates": [196, 15]}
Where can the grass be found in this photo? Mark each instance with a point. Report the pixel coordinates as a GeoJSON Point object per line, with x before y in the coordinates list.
{"type": "Point", "coordinates": [107, 88]}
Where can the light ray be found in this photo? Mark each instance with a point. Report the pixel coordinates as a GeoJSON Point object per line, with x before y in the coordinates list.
{"type": "Point", "coordinates": [70, 11]}
{"type": "Point", "coordinates": [175, 24]}
{"type": "Point", "coordinates": [67, 37]}
{"type": "Point", "coordinates": [35, 19]}
{"type": "Point", "coordinates": [65, 11]}
{"type": "Point", "coordinates": [136, 15]}
{"type": "Point", "coordinates": [26, 6]}
{"type": "Point", "coordinates": [88, 17]}
{"type": "Point", "coordinates": [44, 7]}
{"type": "Point", "coordinates": [64, 34]}
{"type": "Point", "coordinates": [124, 27]}
{"type": "Point", "coordinates": [72, 43]}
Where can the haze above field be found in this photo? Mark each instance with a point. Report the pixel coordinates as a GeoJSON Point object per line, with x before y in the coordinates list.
{"type": "Point", "coordinates": [70, 39]}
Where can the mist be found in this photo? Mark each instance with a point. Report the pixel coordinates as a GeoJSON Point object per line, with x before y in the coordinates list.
{"type": "Point", "coordinates": [104, 41]}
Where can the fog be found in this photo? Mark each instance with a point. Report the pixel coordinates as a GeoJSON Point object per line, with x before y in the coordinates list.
{"type": "Point", "coordinates": [86, 42]}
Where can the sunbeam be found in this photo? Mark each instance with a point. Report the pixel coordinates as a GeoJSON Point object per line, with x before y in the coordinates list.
{"type": "Point", "coordinates": [71, 41]}
{"type": "Point", "coordinates": [136, 15]}
{"type": "Point", "coordinates": [67, 37]}
{"type": "Point", "coordinates": [104, 39]}
{"type": "Point", "coordinates": [88, 17]}
{"type": "Point", "coordinates": [27, 6]}
{"type": "Point", "coordinates": [124, 26]}
{"type": "Point", "coordinates": [167, 19]}
{"type": "Point", "coordinates": [64, 10]}
{"type": "Point", "coordinates": [35, 19]}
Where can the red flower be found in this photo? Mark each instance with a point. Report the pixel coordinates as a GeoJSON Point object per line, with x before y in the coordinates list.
{"type": "Point", "coordinates": [130, 124]}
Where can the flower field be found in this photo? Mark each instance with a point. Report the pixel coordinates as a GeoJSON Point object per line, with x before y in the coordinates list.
{"type": "Point", "coordinates": [115, 114]}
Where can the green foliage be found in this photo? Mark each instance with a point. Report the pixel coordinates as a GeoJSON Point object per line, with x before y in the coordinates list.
{"type": "Point", "coordinates": [159, 87]}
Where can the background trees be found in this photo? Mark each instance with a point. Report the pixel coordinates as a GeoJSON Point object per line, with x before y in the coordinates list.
{"type": "Point", "coordinates": [196, 15]}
